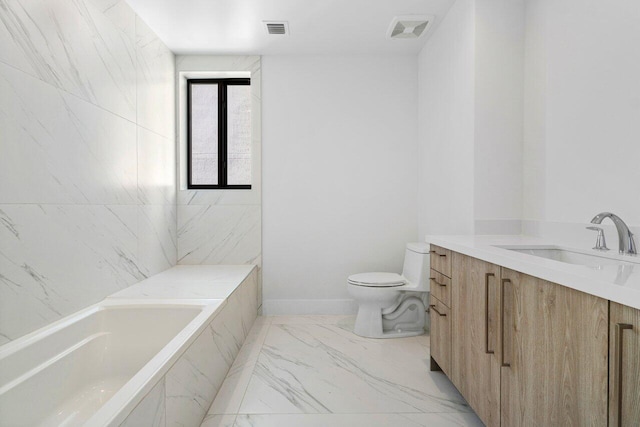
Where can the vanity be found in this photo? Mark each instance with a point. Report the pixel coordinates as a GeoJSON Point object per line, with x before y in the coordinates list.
{"type": "Point", "coordinates": [536, 334]}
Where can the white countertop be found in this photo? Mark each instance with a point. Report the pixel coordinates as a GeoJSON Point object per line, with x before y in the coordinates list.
{"type": "Point", "coordinates": [189, 282]}
{"type": "Point", "coordinates": [618, 283]}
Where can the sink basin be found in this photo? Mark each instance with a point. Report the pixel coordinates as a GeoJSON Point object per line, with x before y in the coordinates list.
{"type": "Point", "coordinates": [609, 267]}
{"type": "Point", "coordinates": [576, 257]}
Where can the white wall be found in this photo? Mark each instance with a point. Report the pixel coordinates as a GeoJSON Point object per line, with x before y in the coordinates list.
{"type": "Point", "coordinates": [470, 115]}
{"type": "Point", "coordinates": [581, 119]}
{"type": "Point", "coordinates": [582, 122]}
{"type": "Point", "coordinates": [340, 175]}
{"type": "Point", "coordinates": [534, 123]}
{"type": "Point", "coordinates": [87, 163]}
{"type": "Point", "coordinates": [446, 125]}
{"type": "Point", "coordinates": [555, 122]}
{"type": "Point", "coordinates": [499, 79]}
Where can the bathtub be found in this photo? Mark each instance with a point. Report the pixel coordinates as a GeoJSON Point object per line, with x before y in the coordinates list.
{"type": "Point", "coordinates": [93, 367]}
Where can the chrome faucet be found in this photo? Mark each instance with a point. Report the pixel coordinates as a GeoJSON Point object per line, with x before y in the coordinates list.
{"type": "Point", "coordinates": [601, 243]}
{"type": "Point", "coordinates": [626, 244]}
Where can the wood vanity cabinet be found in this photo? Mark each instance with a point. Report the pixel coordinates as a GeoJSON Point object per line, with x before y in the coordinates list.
{"type": "Point", "coordinates": [527, 352]}
{"type": "Point", "coordinates": [475, 358]}
{"type": "Point", "coordinates": [440, 317]}
{"type": "Point", "coordinates": [439, 309]}
{"type": "Point", "coordinates": [554, 363]}
{"type": "Point", "coordinates": [624, 366]}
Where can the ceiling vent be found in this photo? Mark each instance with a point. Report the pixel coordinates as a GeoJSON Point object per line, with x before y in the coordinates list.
{"type": "Point", "coordinates": [277, 27]}
{"type": "Point", "coordinates": [409, 26]}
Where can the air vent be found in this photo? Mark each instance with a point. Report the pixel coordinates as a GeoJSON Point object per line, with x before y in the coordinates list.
{"type": "Point", "coordinates": [409, 27]}
{"type": "Point", "coordinates": [277, 27]}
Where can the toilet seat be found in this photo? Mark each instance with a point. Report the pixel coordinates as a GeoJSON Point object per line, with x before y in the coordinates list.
{"type": "Point", "coordinates": [386, 280]}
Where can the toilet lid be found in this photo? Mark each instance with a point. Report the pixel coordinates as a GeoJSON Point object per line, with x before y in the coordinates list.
{"type": "Point", "coordinates": [377, 279]}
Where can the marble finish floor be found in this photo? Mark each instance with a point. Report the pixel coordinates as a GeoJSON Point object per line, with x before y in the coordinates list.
{"type": "Point", "coordinates": [313, 371]}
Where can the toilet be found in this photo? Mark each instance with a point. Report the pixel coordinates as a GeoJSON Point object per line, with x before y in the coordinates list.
{"type": "Point", "coordinates": [391, 305]}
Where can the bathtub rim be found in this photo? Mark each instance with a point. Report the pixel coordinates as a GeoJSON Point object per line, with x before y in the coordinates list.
{"type": "Point", "coordinates": [120, 405]}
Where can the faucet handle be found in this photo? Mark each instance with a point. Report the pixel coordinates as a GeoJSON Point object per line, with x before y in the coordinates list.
{"type": "Point", "coordinates": [632, 245]}
{"type": "Point", "coordinates": [601, 244]}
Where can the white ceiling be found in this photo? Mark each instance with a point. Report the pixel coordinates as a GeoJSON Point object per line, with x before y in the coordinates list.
{"type": "Point", "coordinates": [316, 26]}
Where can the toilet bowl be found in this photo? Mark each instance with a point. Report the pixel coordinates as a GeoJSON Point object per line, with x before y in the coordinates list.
{"type": "Point", "coordinates": [391, 305]}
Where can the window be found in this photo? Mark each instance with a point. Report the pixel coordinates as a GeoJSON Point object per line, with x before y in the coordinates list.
{"type": "Point", "coordinates": [219, 133]}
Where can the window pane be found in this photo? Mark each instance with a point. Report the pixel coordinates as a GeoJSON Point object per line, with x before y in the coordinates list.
{"type": "Point", "coordinates": [204, 134]}
{"type": "Point", "coordinates": [204, 169]}
{"type": "Point", "coordinates": [238, 134]}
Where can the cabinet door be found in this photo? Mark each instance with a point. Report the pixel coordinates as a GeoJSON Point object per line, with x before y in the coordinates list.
{"type": "Point", "coordinates": [475, 307]}
{"type": "Point", "coordinates": [440, 334]}
{"type": "Point", "coordinates": [624, 363]}
{"type": "Point", "coordinates": [555, 354]}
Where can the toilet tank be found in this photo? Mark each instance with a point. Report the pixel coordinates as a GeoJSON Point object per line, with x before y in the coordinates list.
{"type": "Point", "coordinates": [416, 265]}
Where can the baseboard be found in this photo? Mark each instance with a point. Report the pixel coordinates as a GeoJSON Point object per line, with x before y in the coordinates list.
{"type": "Point", "coordinates": [271, 307]}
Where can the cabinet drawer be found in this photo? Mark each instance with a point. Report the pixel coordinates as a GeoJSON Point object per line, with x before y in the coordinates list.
{"type": "Point", "coordinates": [440, 334]}
{"type": "Point", "coordinates": [440, 287]}
{"type": "Point", "coordinates": [441, 260]}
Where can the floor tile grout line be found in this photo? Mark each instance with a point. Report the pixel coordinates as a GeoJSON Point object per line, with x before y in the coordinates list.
{"type": "Point", "coordinates": [347, 413]}
{"type": "Point", "coordinates": [266, 333]}
{"type": "Point", "coordinates": [261, 344]}
{"type": "Point", "coordinates": [269, 324]}
{"type": "Point", "coordinates": [235, 417]}
{"type": "Point", "coordinates": [253, 367]}
{"type": "Point", "coordinates": [255, 363]}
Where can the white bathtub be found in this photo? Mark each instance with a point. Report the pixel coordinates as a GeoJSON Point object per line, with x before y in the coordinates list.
{"type": "Point", "coordinates": [93, 367]}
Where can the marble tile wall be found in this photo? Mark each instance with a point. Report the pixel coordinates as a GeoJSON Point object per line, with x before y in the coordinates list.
{"type": "Point", "coordinates": [221, 226]}
{"type": "Point", "coordinates": [183, 396]}
{"type": "Point", "coordinates": [87, 163]}
{"type": "Point", "coordinates": [151, 411]}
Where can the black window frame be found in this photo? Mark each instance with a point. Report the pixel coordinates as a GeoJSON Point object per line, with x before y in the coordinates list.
{"type": "Point", "coordinates": [222, 133]}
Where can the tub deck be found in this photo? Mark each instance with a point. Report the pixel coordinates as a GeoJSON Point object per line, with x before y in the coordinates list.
{"type": "Point", "coordinates": [101, 365]}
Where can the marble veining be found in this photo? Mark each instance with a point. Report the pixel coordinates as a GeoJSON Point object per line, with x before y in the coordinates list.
{"type": "Point", "coordinates": [111, 246]}
{"type": "Point", "coordinates": [37, 286]}
{"type": "Point", "coordinates": [228, 334]}
{"type": "Point", "coordinates": [155, 82]}
{"type": "Point", "coordinates": [219, 421]}
{"type": "Point", "coordinates": [383, 383]}
{"type": "Point", "coordinates": [157, 245]}
{"type": "Point", "coordinates": [231, 393]}
{"type": "Point", "coordinates": [249, 301]}
{"type": "Point", "coordinates": [350, 420]}
{"type": "Point", "coordinates": [193, 282]}
{"type": "Point", "coordinates": [222, 226]}
{"type": "Point", "coordinates": [219, 234]}
{"type": "Point", "coordinates": [73, 46]}
{"type": "Point", "coordinates": [156, 168]}
{"type": "Point", "coordinates": [193, 382]}
{"type": "Point", "coordinates": [119, 13]}
{"type": "Point", "coordinates": [59, 149]}
{"type": "Point", "coordinates": [151, 411]}
{"type": "Point", "coordinates": [313, 371]}
{"type": "Point", "coordinates": [87, 188]}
